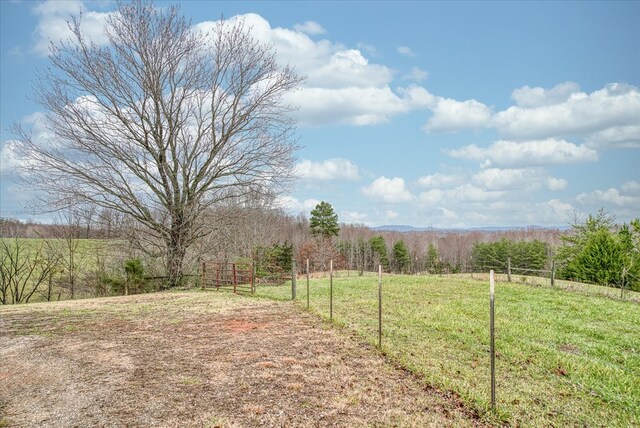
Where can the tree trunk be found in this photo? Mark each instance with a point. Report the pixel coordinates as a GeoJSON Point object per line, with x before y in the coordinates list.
{"type": "Point", "coordinates": [175, 255]}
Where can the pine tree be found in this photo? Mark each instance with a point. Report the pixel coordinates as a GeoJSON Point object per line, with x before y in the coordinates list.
{"type": "Point", "coordinates": [401, 259]}
{"type": "Point", "coordinates": [595, 252]}
{"type": "Point", "coordinates": [379, 248]}
{"type": "Point", "coordinates": [324, 221]}
{"type": "Point", "coordinates": [433, 259]}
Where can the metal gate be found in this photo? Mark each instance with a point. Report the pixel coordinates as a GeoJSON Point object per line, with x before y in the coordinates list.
{"type": "Point", "coordinates": [227, 277]}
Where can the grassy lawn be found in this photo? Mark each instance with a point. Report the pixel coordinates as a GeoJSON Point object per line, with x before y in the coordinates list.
{"type": "Point", "coordinates": [563, 358]}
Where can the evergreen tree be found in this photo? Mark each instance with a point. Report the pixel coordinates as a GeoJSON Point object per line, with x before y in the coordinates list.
{"type": "Point", "coordinates": [324, 221]}
{"type": "Point", "coordinates": [283, 255]}
{"type": "Point", "coordinates": [379, 248]}
{"type": "Point", "coordinates": [523, 254]}
{"type": "Point", "coordinates": [433, 259]}
{"type": "Point", "coordinates": [595, 252]}
{"type": "Point", "coordinates": [401, 259]}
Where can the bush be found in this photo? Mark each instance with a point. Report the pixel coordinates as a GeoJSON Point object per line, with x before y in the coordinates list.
{"type": "Point", "coordinates": [131, 280]}
{"type": "Point", "coordinates": [524, 255]}
{"type": "Point", "coordinates": [598, 253]}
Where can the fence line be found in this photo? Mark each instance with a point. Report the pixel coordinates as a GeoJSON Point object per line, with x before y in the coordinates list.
{"type": "Point", "coordinates": [492, 278]}
{"type": "Point", "coordinates": [380, 315]}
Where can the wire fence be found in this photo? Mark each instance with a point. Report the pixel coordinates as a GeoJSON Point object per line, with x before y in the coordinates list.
{"type": "Point", "coordinates": [381, 320]}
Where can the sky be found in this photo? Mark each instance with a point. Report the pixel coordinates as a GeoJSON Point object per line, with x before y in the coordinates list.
{"type": "Point", "coordinates": [430, 114]}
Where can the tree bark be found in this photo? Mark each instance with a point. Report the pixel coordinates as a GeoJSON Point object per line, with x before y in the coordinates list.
{"type": "Point", "coordinates": [176, 251]}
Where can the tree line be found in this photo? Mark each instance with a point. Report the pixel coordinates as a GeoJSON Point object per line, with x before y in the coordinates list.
{"type": "Point", "coordinates": [66, 264]}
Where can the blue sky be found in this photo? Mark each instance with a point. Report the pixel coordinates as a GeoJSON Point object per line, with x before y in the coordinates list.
{"type": "Point", "coordinates": [443, 114]}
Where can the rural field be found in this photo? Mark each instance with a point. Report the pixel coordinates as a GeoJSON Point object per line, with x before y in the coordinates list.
{"type": "Point", "coordinates": [202, 359]}
{"type": "Point", "coordinates": [565, 357]}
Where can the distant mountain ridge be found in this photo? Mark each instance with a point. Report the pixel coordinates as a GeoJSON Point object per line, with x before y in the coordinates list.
{"type": "Point", "coordinates": [407, 228]}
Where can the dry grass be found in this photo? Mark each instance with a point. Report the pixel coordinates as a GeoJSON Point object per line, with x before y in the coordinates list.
{"type": "Point", "coordinates": [200, 359]}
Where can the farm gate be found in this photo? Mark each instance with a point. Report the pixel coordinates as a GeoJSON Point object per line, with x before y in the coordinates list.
{"type": "Point", "coordinates": [235, 277]}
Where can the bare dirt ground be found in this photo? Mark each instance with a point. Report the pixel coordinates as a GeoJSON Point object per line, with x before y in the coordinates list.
{"type": "Point", "coordinates": [201, 360]}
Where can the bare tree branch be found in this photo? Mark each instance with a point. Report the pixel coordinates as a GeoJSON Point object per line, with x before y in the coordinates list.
{"type": "Point", "coordinates": [162, 123]}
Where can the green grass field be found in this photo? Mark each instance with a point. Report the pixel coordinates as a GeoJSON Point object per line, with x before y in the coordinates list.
{"type": "Point", "coordinates": [564, 358]}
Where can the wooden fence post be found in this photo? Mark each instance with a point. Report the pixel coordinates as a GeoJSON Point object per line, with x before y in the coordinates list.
{"type": "Point", "coordinates": [235, 278]}
{"type": "Point", "coordinates": [294, 276]}
{"type": "Point", "coordinates": [553, 272]}
{"type": "Point", "coordinates": [253, 277]}
{"type": "Point", "coordinates": [202, 275]}
{"type": "Point", "coordinates": [509, 269]}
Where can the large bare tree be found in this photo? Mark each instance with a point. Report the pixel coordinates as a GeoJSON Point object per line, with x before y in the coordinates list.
{"type": "Point", "coordinates": [162, 123]}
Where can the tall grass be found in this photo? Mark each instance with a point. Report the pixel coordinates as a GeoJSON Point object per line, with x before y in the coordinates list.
{"type": "Point", "coordinates": [563, 358]}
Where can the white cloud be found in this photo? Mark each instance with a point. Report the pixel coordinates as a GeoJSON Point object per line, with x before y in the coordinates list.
{"type": "Point", "coordinates": [293, 47]}
{"type": "Point", "coordinates": [529, 153]}
{"type": "Point", "coordinates": [53, 27]}
{"type": "Point", "coordinates": [624, 203]}
{"type": "Point", "coordinates": [463, 194]}
{"type": "Point", "coordinates": [349, 68]}
{"type": "Point", "coordinates": [517, 179]}
{"type": "Point", "coordinates": [390, 214]}
{"type": "Point", "coordinates": [447, 214]}
{"type": "Point", "coordinates": [492, 209]}
{"type": "Point", "coordinates": [616, 137]}
{"type": "Point", "coordinates": [388, 190]}
{"type": "Point", "coordinates": [554, 184]}
{"type": "Point", "coordinates": [542, 116]}
{"type": "Point", "coordinates": [416, 74]}
{"type": "Point", "coordinates": [8, 157]}
{"type": "Point", "coordinates": [450, 115]}
{"type": "Point", "coordinates": [507, 179]}
{"type": "Point", "coordinates": [10, 160]}
{"type": "Point", "coordinates": [353, 217]}
{"type": "Point", "coordinates": [551, 212]}
{"type": "Point", "coordinates": [295, 206]}
{"type": "Point", "coordinates": [405, 50]}
{"type": "Point", "coordinates": [311, 28]}
{"type": "Point", "coordinates": [605, 118]}
{"type": "Point", "coordinates": [609, 196]}
{"type": "Point", "coordinates": [538, 97]}
{"type": "Point", "coordinates": [472, 193]}
{"type": "Point", "coordinates": [431, 197]}
{"type": "Point", "coordinates": [328, 170]}
{"type": "Point", "coordinates": [342, 86]}
{"type": "Point", "coordinates": [356, 106]}
{"type": "Point", "coordinates": [440, 180]}
{"type": "Point", "coordinates": [631, 187]}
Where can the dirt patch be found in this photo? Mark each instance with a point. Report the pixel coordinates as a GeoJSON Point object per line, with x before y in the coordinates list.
{"type": "Point", "coordinates": [201, 360]}
{"type": "Point", "coordinates": [241, 326]}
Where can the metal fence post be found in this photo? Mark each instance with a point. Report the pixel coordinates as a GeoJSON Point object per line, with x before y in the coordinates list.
{"type": "Point", "coordinates": [331, 290]}
{"type": "Point", "coordinates": [492, 345]}
{"type": "Point", "coordinates": [380, 306]}
{"type": "Point", "coordinates": [307, 284]}
{"type": "Point", "coordinates": [294, 276]}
